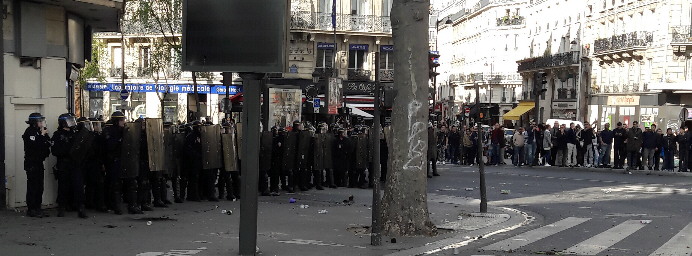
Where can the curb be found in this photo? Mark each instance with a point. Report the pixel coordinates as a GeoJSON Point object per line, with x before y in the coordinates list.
{"type": "Point", "coordinates": [517, 219]}
{"type": "Point", "coordinates": [622, 171]}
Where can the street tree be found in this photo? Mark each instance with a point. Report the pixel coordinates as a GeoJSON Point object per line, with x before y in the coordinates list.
{"type": "Point", "coordinates": [405, 205]}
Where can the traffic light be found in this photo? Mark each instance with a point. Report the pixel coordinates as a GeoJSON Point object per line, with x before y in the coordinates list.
{"type": "Point", "coordinates": [475, 111]}
{"type": "Point", "coordinates": [541, 86]}
{"type": "Point", "coordinates": [433, 62]}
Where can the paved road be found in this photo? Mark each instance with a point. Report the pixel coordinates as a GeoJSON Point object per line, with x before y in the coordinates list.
{"type": "Point", "coordinates": [580, 212]}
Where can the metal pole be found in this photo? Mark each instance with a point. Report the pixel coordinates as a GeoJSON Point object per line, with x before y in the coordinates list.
{"type": "Point", "coordinates": [376, 238]}
{"type": "Point", "coordinates": [536, 101]}
{"type": "Point", "coordinates": [481, 164]}
{"type": "Point", "coordinates": [194, 85]}
{"type": "Point", "coordinates": [250, 164]}
{"type": "Point", "coordinates": [3, 198]}
{"type": "Point", "coordinates": [227, 81]}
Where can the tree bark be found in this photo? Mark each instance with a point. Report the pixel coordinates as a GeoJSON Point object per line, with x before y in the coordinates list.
{"type": "Point", "coordinates": [405, 205]}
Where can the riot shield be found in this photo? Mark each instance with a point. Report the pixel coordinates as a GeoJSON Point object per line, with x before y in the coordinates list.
{"type": "Point", "coordinates": [169, 165]}
{"type": "Point", "coordinates": [361, 151]}
{"type": "Point", "coordinates": [178, 154]}
{"type": "Point", "coordinates": [239, 140]}
{"type": "Point", "coordinates": [129, 160]}
{"type": "Point", "coordinates": [289, 151]}
{"type": "Point", "coordinates": [230, 155]}
{"type": "Point", "coordinates": [318, 152]}
{"type": "Point", "coordinates": [155, 143]}
{"type": "Point", "coordinates": [303, 149]}
{"type": "Point", "coordinates": [82, 145]}
{"type": "Point", "coordinates": [327, 149]}
{"type": "Point", "coordinates": [265, 151]}
{"type": "Point", "coordinates": [211, 147]}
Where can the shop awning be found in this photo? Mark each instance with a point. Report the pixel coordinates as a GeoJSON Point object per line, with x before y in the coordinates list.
{"type": "Point", "coordinates": [358, 112]}
{"type": "Point", "coordinates": [515, 113]}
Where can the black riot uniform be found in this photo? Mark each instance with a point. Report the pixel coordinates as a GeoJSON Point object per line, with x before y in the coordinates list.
{"type": "Point", "coordinates": [303, 162]}
{"type": "Point", "coordinates": [341, 157]}
{"type": "Point", "coordinates": [180, 183]}
{"type": "Point", "coordinates": [288, 159]}
{"type": "Point", "coordinates": [193, 153]}
{"type": "Point", "coordinates": [230, 163]}
{"type": "Point", "coordinates": [275, 171]}
{"type": "Point", "coordinates": [359, 160]}
{"type": "Point", "coordinates": [117, 183]}
{"type": "Point", "coordinates": [95, 173]}
{"type": "Point", "coordinates": [266, 152]}
{"type": "Point", "coordinates": [318, 158]}
{"type": "Point", "coordinates": [62, 143]}
{"type": "Point", "coordinates": [81, 154]}
{"type": "Point", "coordinates": [36, 149]}
{"type": "Point", "coordinates": [328, 157]}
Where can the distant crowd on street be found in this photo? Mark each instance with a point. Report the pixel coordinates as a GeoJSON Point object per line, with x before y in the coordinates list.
{"type": "Point", "coordinates": [569, 145]}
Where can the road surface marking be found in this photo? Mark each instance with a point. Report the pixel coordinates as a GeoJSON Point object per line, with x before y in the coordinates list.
{"type": "Point", "coordinates": [678, 245]}
{"type": "Point", "coordinates": [529, 237]}
{"type": "Point", "coordinates": [608, 238]}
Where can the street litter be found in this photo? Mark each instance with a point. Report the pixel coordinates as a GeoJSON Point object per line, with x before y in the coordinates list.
{"type": "Point", "coordinates": [322, 211]}
{"type": "Point", "coordinates": [469, 189]}
{"type": "Point", "coordinates": [645, 221]}
{"type": "Point", "coordinates": [291, 200]}
{"type": "Point", "coordinates": [227, 212]}
{"type": "Point", "coordinates": [504, 192]}
{"type": "Point", "coordinates": [304, 206]}
{"type": "Point", "coordinates": [148, 223]}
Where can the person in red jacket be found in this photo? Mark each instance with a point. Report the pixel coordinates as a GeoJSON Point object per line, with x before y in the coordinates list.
{"type": "Point", "coordinates": [496, 137]}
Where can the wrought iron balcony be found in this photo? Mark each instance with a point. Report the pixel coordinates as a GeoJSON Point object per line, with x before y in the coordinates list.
{"type": "Point", "coordinates": [143, 72]}
{"type": "Point", "coordinates": [386, 74]}
{"type": "Point", "coordinates": [623, 42]}
{"type": "Point", "coordinates": [682, 35]}
{"type": "Point", "coordinates": [307, 20]}
{"type": "Point", "coordinates": [359, 75]}
{"type": "Point", "coordinates": [528, 95]}
{"type": "Point", "coordinates": [114, 72]}
{"type": "Point", "coordinates": [510, 21]}
{"type": "Point", "coordinates": [552, 61]}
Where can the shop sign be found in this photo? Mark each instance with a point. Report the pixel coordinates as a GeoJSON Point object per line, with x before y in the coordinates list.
{"type": "Point", "coordinates": [165, 88]}
{"type": "Point", "coordinates": [647, 118]}
{"type": "Point", "coordinates": [564, 105]}
{"type": "Point", "coordinates": [387, 48]}
{"type": "Point", "coordinates": [359, 88]}
{"type": "Point", "coordinates": [358, 47]}
{"type": "Point", "coordinates": [326, 46]}
{"type": "Point", "coordinates": [623, 100]}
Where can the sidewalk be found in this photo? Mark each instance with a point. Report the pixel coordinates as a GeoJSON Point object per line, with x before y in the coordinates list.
{"type": "Point", "coordinates": [284, 228]}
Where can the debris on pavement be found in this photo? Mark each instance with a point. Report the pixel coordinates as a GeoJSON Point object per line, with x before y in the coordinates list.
{"type": "Point", "coordinates": [292, 200]}
{"type": "Point", "coordinates": [645, 221]}
{"type": "Point", "coordinates": [304, 206]}
{"type": "Point", "coordinates": [148, 223]}
{"type": "Point", "coordinates": [110, 226]}
{"type": "Point", "coordinates": [393, 240]}
{"type": "Point", "coordinates": [322, 211]}
{"type": "Point", "coordinates": [227, 212]}
{"type": "Point", "coordinates": [469, 189]}
{"type": "Point", "coordinates": [504, 192]}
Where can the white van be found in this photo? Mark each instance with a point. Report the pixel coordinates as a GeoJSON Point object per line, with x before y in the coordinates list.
{"type": "Point", "coordinates": [551, 122]}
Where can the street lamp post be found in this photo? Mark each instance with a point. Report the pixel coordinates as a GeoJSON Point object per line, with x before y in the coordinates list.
{"type": "Point", "coordinates": [479, 156]}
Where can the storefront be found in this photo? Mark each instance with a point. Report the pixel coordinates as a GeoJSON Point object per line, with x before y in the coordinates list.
{"type": "Point", "coordinates": [646, 109]}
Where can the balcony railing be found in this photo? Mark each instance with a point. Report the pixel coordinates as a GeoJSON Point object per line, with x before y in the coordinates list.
{"type": "Point", "coordinates": [555, 60]}
{"type": "Point", "coordinates": [682, 34]}
{"type": "Point", "coordinates": [386, 74]}
{"type": "Point", "coordinates": [566, 94]}
{"type": "Point", "coordinates": [528, 95]}
{"type": "Point", "coordinates": [641, 39]}
{"type": "Point", "coordinates": [143, 72]}
{"type": "Point", "coordinates": [114, 72]}
{"type": "Point", "coordinates": [624, 88]}
{"type": "Point", "coordinates": [307, 20]}
{"type": "Point", "coordinates": [510, 21]}
{"type": "Point", "coordinates": [359, 75]}
{"type": "Point", "coordinates": [495, 77]}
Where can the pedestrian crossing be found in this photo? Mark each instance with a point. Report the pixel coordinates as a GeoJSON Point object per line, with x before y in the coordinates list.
{"type": "Point", "coordinates": [678, 245]}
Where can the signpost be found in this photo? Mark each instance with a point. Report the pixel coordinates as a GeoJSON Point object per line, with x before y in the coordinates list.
{"type": "Point", "coordinates": [124, 94]}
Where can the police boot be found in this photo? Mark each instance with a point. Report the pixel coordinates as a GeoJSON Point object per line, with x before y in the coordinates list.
{"type": "Point", "coordinates": [236, 184]}
{"type": "Point", "coordinates": [156, 192]}
{"type": "Point", "coordinates": [330, 178]}
{"type": "Point", "coordinates": [131, 196]}
{"type": "Point", "coordinates": [81, 212]}
{"type": "Point", "coordinates": [176, 190]}
{"type": "Point", "coordinates": [182, 190]}
{"type": "Point", "coordinates": [302, 179]}
{"type": "Point", "coordinates": [292, 186]}
{"type": "Point", "coordinates": [317, 179]}
{"type": "Point", "coordinates": [163, 190]}
{"type": "Point", "coordinates": [117, 199]}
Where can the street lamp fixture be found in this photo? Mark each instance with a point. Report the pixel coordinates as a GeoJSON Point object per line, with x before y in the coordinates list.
{"type": "Point", "coordinates": [449, 21]}
{"type": "Point", "coordinates": [316, 76]}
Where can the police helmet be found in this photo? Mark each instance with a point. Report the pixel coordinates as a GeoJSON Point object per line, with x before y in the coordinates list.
{"type": "Point", "coordinates": [35, 118]}
{"type": "Point", "coordinates": [66, 121]}
{"type": "Point", "coordinates": [84, 123]}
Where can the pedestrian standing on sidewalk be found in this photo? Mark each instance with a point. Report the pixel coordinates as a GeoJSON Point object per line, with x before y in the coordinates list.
{"type": "Point", "coordinates": [682, 148]}
{"type": "Point", "coordinates": [496, 138]}
{"type": "Point", "coordinates": [634, 144]}
{"type": "Point", "coordinates": [518, 141]}
{"type": "Point", "coordinates": [659, 145]}
{"type": "Point", "coordinates": [669, 150]}
{"type": "Point", "coordinates": [606, 145]}
{"type": "Point", "coordinates": [571, 146]}
{"type": "Point", "coordinates": [547, 144]}
{"type": "Point", "coordinates": [587, 136]}
{"type": "Point", "coordinates": [442, 144]}
{"type": "Point", "coordinates": [453, 142]}
{"type": "Point", "coordinates": [619, 138]}
{"type": "Point", "coordinates": [581, 149]}
{"type": "Point", "coordinates": [468, 145]}
{"type": "Point", "coordinates": [530, 146]}
{"type": "Point", "coordinates": [538, 138]}
{"type": "Point", "coordinates": [650, 147]}
{"type": "Point", "coordinates": [36, 150]}
{"type": "Point", "coordinates": [553, 152]}
{"type": "Point", "coordinates": [561, 148]}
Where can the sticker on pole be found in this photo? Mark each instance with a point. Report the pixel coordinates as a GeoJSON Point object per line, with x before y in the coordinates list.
{"type": "Point", "coordinates": [124, 94]}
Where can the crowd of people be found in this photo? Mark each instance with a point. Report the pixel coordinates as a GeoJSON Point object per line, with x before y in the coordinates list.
{"type": "Point", "coordinates": [562, 145]}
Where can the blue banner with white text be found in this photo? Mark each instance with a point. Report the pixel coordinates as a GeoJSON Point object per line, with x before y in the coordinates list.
{"type": "Point", "coordinates": [165, 88]}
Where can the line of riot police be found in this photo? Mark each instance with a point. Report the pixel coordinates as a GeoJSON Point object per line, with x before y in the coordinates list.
{"type": "Point", "coordinates": [117, 164]}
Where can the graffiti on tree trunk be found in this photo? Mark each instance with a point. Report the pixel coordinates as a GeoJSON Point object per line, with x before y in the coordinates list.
{"type": "Point", "coordinates": [416, 145]}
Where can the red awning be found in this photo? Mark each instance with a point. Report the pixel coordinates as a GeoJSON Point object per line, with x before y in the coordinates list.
{"type": "Point", "coordinates": [237, 98]}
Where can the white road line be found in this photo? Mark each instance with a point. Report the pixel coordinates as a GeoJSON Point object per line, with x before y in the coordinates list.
{"type": "Point", "coordinates": [678, 245]}
{"type": "Point", "coordinates": [608, 238]}
{"type": "Point", "coordinates": [529, 237]}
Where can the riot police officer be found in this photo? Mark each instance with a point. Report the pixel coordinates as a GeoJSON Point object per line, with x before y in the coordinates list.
{"type": "Point", "coordinates": [62, 143]}
{"type": "Point", "coordinates": [193, 149]}
{"type": "Point", "coordinates": [36, 149]}
{"type": "Point", "coordinates": [143, 179]}
{"type": "Point", "coordinates": [115, 177]}
{"type": "Point", "coordinates": [341, 155]}
{"type": "Point", "coordinates": [81, 154]}
{"type": "Point", "coordinates": [95, 174]}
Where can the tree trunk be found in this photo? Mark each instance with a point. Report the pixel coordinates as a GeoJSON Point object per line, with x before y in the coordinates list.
{"type": "Point", "coordinates": [405, 205]}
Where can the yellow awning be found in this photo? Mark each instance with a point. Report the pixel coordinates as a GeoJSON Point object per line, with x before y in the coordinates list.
{"type": "Point", "coordinates": [515, 113]}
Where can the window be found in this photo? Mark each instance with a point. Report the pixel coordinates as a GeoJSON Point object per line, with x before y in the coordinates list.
{"type": "Point", "coordinates": [116, 54]}
{"type": "Point", "coordinates": [356, 56]}
{"type": "Point", "coordinates": [386, 60]}
{"type": "Point", "coordinates": [144, 57]}
{"type": "Point", "coordinates": [326, 6]}
{"type": "Point", "coordinates": [325, 55]}
{"type": "Point", "coordinates": [386, 7]}
{"type": "Point", "coordinates": [355, 7]}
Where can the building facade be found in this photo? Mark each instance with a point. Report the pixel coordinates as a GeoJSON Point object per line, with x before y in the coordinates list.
{"type": "Point", "coordinates": [552, 53]}
{"type": "Point", "coordinates": [315, 49]}
{"type": "Point", "coordinates": [641, 66]}
{"type": "Point", "coordinates": [45, 45]}
{"type": "Point", "coordinates": [479, 45]}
